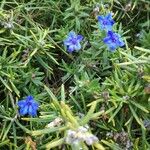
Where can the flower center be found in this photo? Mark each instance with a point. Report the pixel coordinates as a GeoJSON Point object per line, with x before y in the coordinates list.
{"type": "Point", "coordinates": [74, 41]}
{"type": "Point", "coordinates": [104, 22]}
{"type": "Point", "coordinates": [113, 40]}
{"type": "Point", "coordinates": [29, 103]}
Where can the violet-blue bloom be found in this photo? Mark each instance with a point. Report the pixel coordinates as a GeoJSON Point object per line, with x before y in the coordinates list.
{"type": "Point", "coordinates": [113, 40]}
{"type": "Point", "coordinates": [72, 42]}
{"type": "Point", "coordinates": [28, 106]}
{"type": "Point", "coordinates": [106, 22]}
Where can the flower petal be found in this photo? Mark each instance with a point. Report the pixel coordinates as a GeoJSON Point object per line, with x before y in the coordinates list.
{"type": "Point", "coordinates": [31, 111]}
{"type": "Point", "coordinates": [35, 105]}
{"type": "Point", "coordinates": [21, 103]}
{"type": "Point", "coordinates": [30, 98]}
{"type": "Point", "coordinates": [121, 43]}
{"type": "Point", "coordinates": [23, 111]}
{"type": "Point", "coordinates": [67, 42]}
{"type": "Point", "coordinates": [71, 48]}
{"type": "Point", "coordinates": [79, 37]}
{"type": "Point", "coordinates": [77, 46]}
{"type": "Point", "coordinates": [106, 40]}
{"type": "Point", "coordinates": [110, 33]}
{"type": "Point", "coordinates": [100, 18]}
{"type": "Point", "coordinates": [72, 34]}
{"type": "Point", "coordinates": [109, 17]}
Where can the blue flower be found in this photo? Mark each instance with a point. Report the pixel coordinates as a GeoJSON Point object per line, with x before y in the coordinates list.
{"type": "Point", "coordinates": [28, 106]}
{"type": "Point", "coordinates": [72, 42]}
{"type": "Point", "coordinates": [106, 22]}
{"type": "Point", "coordinates": [113, 40]}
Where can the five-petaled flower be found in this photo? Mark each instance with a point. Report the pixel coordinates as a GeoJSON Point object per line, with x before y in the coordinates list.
{"type": "Point", "coordinates": [28, 106]}
{"type": "Point", "coordinates": [106, 22]}
{"type": "Point", "coordinates": [72, 42]}
{"type": "Point", "coordinates": [113, 40]}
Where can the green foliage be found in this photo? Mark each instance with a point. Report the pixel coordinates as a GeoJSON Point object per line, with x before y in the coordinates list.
{"type": "Point", "coordinates": [103, 92]}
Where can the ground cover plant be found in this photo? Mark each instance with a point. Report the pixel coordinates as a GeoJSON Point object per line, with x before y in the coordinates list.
{"type": "Point", "coordinates": [74, 74]}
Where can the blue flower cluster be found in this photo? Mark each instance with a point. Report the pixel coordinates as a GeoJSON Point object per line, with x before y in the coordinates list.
{"type": "Point", "coordinates": [28, 106]}
{"type": "Point", "coordinates": [106, 22]}
{"type": "Point", "coordinates": [73, 42]}
{"type": "Point", "coordinates": [112, 40]}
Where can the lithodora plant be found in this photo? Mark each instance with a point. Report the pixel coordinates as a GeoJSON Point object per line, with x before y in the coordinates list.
{"type": "Point", "coordinates": [66, 128]}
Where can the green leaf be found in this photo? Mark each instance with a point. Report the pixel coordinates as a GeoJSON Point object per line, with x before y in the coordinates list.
{"type": "Point", "coordinates": [86, 119]}
{"type": "Point", "coordinates": [50, 93]}
{"type": "Point", "coordinates": [136, 117]}
{"type": "Point", "coordinates": [62, 93]}
{"type": "Point", "coordinates": [115, 113]}
{"type": "Point", "coordinates": [5, 84]}
{"type": "Point", "coordinates": [139, 106]}
{"type": "Point", "coordinates": [53, 144]}
{"type": "Point", "coordinates": [48, 130]}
